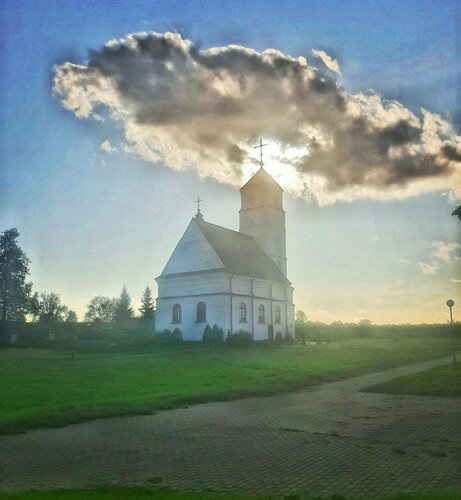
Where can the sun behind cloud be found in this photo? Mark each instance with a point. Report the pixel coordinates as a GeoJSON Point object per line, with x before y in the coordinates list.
{"type": "Point", "coordinates": [204, 110]}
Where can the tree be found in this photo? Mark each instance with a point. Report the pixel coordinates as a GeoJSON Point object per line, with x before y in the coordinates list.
{"type": "Point", "coordinates": [301, 330]}
{"type": "Point", "coordinates": [71, 317]}
{"type": "Point", "coordinates": [15, 293]}
{"type": "Point", "coordinates": [301, 316]}
{"type": "Point", "coordinates": [147, 308]}
{"type": "Point", "coordinates": [101, 309]}
{"type": "Point", "coordinates": [123, 310]}
{"type": "Point", "coordinates": [50, 309]}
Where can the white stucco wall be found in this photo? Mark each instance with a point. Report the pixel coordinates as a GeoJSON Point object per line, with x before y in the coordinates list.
{"type": "Point", "coordinates": [222, 293]}
{"type": "Point", "coordinates": [217, 312]}
{"type": "Point", "coordinates": [192, 253]}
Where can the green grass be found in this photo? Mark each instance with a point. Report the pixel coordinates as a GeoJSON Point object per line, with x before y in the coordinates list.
{"type": "Point", "coordinates": [115, 493]}
{"type": "Point", "coordinates": [138, 493]}
{"type": "Point", "coordinates": [441, 381]}
{"type": "Point", "coordinates": [44, 388]}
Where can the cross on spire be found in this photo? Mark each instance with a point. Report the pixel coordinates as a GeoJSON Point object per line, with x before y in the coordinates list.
{"type": "Point", "coordinates": [260, 146]}
{"type": "Point", "coordinates": [198, 215]}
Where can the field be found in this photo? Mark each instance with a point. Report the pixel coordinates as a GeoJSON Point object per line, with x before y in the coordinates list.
{"type": "Point", "coordinates": [441, 381]}
{"type": "Point", "coordinates": [121, 493]}
{"type": "Point", "coordinates": [115, 493]}
{"type": "Point", "coordinates": [46, 388]}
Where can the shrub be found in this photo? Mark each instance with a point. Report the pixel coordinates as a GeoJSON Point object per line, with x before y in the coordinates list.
{"type": "Point", "coordinates": [300, 335]}
{"type": "Point", "coordinates": [279, 337]}
{"type": "Point", "coordinates": [240, 339]}
{"type": "Point", "coordinates": [270, 333]}
{"type": "Point", "coordinates": [288, 338]}
{"type": "Point", "coordinates": [166, 337]}
{"type": "Point", "coordinates": [176, 336]}
{"type": "Point", "coordinates": [217, 334]}
{"type": "Point", "coordinates": [206, 334]}
{"type": "Point", "coordinates": [213, 335]}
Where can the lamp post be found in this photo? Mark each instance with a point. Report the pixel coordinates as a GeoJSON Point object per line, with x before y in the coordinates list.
{"type": "Point", "coordinates": [450, 303]}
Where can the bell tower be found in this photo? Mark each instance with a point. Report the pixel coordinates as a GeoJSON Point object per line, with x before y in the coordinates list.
{"type": "Point", "coordinates": [262, 216]}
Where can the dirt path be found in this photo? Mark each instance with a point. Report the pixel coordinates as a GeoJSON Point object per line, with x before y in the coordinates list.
{"type": "Point", "coordinates": [330, 439]}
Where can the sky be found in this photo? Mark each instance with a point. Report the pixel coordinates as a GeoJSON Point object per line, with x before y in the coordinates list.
{"type": "Point", "coordinates": [107, 139]}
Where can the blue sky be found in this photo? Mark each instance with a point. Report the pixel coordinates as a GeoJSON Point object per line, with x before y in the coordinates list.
{"type": "Point", "coordinates": [91, 222]}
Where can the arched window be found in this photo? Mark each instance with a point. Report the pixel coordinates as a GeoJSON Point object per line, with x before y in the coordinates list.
{"type": "Point", "coordinates": [176, 313]}
{"type": "Point", "coordinates": [277, 314]}
{"type": "Point", "coordinates": [261, 314]}
{"type": "Point", "coordinates": [243, 311]}
{"type": "Point", "coordinates": [201, 312]}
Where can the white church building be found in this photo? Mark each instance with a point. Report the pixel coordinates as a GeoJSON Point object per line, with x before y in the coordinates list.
{"type": "Point", "coordinates": [234, 279]}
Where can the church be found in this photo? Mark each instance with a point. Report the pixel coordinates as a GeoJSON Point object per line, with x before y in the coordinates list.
{"type": "Point", "coordinates": [234, 279]}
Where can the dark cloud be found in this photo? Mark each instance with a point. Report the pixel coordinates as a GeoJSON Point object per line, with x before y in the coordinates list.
{"type": "Point", "coordinates": [209, 106]}
{"type": "Point", "coordinates": [451, 153]}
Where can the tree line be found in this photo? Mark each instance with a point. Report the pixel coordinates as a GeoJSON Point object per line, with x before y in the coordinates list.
{"type": "Point", "coordinates": [119, 310]}
{"type": "Point", "coordinates": [18, 301]}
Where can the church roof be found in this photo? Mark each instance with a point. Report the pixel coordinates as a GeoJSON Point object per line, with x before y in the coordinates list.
{"type": "Point", "coordinates": [261, 178]}
{"type": "Point", "coordinates": [241, 254]}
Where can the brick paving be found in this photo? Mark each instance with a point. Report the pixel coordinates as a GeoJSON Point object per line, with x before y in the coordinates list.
{"type": "Point", "coordinates": [330, 439]}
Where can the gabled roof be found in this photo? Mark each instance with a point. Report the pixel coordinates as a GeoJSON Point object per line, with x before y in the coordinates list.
{"type": "Point", "coordinates": [261, 178]}
{"type": "Point", "coordinates": [241, 254]}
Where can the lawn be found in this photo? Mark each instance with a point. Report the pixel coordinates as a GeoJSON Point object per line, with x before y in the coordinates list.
{"type": "Point", "coordinates": [441, 381]}
{"type": "Point", "coordinates": [139, 493]}
{"type": "Point", "coordinates": [116, 493]}
{"type": "Point", "coordinates": [45, 388]}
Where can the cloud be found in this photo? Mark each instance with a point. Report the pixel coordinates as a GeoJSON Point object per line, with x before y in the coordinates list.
{"type": "Point", "coordinates": [444, 251]}
{"type": "Point", "coordinates": [327, 60]}
{"type": "Point", "coordinates": [108, 148]}
{"type": "Point", "coordinates": [205, 109]}
{"type": "Point", "coordinates": [428, 268]}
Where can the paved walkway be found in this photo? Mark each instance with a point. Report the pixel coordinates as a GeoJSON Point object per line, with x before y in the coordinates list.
{"type": "Point", "coordinates": [331, 439]}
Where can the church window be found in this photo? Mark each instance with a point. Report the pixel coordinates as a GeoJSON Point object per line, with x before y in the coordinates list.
{"type": "Point", "coordinates": [201, 312]}
{"type": "Point", "coordinates": [277, 314]}
{"type": "Point", "coordinates": [261, 314]}
{"type": "Point", "coordinates": [176, 313]}
{"type": "Point", "coordinates": [243, 312]}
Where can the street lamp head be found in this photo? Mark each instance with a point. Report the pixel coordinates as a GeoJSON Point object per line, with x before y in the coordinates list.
{"type": "Point", "coordinates": [450, 303]}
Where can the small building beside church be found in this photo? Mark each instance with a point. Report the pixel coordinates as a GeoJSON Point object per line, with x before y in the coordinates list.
{"type": "Point", "coordinates": [234, 279]}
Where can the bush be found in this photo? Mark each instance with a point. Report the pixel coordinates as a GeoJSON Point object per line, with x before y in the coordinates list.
{"type": "Point", "coordinates": [288, 338]}
{"type": "Point", "coordinates": [213, 335]}
{"type": "Point", "coordinates": [279, 337]}
{"type": "Point", "coordinates": [270, 333]}
{"type": "Point", "coordinates": [217, 334]}
{"type": "Point", "coordinates": [300, 335]}
{"type": "Point", "coordinates": [206, 334]}
{"type": "Point", "coordinates": [166, 337]}
{"type": "Point", "coordinates": [240, 339]}
{"type": "Point", "coordinates": [176, 336]}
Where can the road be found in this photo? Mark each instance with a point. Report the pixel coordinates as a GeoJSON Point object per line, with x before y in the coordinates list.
{"type": "Point", "coordinates": [326, 440]}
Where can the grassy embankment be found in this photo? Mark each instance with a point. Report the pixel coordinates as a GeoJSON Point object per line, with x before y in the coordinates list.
{"type": "Point", "coordinates": [44, 388]}
{"type": "Point", "coordinates": [440, 381]}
